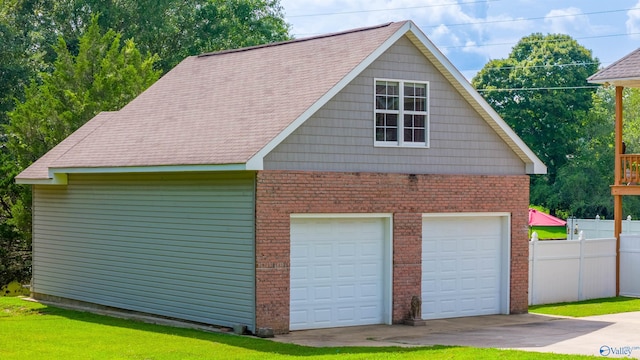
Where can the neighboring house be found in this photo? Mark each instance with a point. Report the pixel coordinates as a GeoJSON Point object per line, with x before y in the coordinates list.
{"type": "Point", "coordinates": [319, 182]}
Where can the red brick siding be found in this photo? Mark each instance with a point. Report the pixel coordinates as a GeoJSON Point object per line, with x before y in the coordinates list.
{"type": "Point", "coordinates": [281, 193]}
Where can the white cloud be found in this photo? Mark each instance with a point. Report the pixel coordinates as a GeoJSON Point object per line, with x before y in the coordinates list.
{"type": "Point", "coordinates": [443, 35]}
{"type": "Point", "coordinates": [334, 15]}
{"type": "Point", "coordinates": [565, 21]}
{"type": "Point", "coordinates": [471, 32]}
{"type": "Point", "coordinates": [494, 36]}
{"type": "Point", "coordinates": [633, 22]}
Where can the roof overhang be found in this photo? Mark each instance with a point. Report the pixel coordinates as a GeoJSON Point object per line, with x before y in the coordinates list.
{"type": "Point", "coordinates": [631, 82]}
{"type": "Point", "coordinates": [59, 176]}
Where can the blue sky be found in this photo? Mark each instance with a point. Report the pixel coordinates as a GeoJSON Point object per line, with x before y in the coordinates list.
{"type": "Point", "coordinates": [472, 32]}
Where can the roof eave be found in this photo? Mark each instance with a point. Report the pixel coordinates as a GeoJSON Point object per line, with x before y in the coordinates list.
{"type": "Point", "coordinates": [59, 176]}
{"type": "Point", "coordinates": [627, 81]}
{"type": "Point", "coordinates": [54, 179]}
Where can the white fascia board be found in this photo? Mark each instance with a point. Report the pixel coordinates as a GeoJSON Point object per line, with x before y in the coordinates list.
{"type": "Point", "coordinates": [58, 176]}
{"type": "Point", "coordinates": [535, 165]}
{"type": "Point", "coordinates": [256, 162]}
{"type": "Point", "coordinates": [148, 169]}
{"type": "Point", "coordinates": [55, 179]}
{"type": "Point", "coordinates": [614, 80]}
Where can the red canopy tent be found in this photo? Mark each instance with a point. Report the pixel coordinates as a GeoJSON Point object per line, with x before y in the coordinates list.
{"type": "Point", "coordinates": [546, 226]}
{"type": "Point", "coordinates": [537, 218]}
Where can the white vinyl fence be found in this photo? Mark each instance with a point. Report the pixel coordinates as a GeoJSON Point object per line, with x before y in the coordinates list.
{"type": "Point", "coordinates": [630, 265]}
{"type": "Point", "coordinates": [572, 270]}
{"type": "Point", "coordinates": [598, 228]}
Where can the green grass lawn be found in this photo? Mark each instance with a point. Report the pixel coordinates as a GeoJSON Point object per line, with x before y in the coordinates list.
{"type": "Point", "coordinates": [34, 331]}
{"type": "Point", "coordinates": [592, 307]}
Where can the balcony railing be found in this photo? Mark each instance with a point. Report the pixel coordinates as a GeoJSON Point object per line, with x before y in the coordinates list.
{"type": "Point", "coordinates": [630, 169]}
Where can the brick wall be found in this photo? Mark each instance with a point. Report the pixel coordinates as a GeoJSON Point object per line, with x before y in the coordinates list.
{"type": "Point", "coordinates": [281, 193]}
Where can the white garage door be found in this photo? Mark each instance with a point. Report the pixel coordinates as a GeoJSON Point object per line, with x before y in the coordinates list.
{"type": "Point", "coordinates": [462, 266]}
{"type": "Point", "coordinates": [337, 272]}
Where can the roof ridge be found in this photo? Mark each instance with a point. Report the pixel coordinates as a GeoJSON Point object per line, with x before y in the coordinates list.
{"type": "Point", "coordinates": [322, 36]}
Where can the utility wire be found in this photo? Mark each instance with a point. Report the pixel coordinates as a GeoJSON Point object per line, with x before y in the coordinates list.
{"type": "Point", "coordinates": [393, 9]}
{"type": "Point", "coordinates": [544, 40]}
{"type": "Point", "coordinates": [461, 24]}
{"type": "Point", "coordinates": [499, 44]}
{"type": "Point", "coordinates": [533, 18]}
{"type": "Point", "coordinates": [538, 66]}
{"type": "Point", "coordinates": [541, 88]}
{"type": "Point", "coordinates": [483, 22]}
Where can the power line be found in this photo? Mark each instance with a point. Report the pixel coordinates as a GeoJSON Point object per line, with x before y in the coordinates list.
{"type": "Point", "coordinates": [533, 18]}
{"type": "Point", "coordinates": [541, 88]}
{"type": "Point", "coordinates": [462, 24]}
{"type": "Point", "coordinates": [393, 9]}
{"type": "Point", "coordinates": [484, 22]}
{"type": "Point", "coordinates": [492, 22]}
{"type": "Point", "coordinates": [541, 66]}
{"type": "Point", "coordinates": [543, 41]}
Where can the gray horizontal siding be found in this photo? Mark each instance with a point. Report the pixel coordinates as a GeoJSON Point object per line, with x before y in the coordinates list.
{"type": "Point", "coordinates": [174, 245]}
{"type": "Point", "coordinates": [339, 137]}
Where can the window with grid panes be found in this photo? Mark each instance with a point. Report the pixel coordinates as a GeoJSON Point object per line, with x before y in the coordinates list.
{"type": "Point", "coordinates": [401, 113]}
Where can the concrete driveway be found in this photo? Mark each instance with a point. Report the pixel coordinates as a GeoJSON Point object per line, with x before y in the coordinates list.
{"type": "Point", "coordinates": [615, 335]}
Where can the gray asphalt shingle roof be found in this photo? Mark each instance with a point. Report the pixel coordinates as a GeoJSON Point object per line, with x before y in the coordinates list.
{"type": "Point", "coordinates": [230, 108]}
{"type": "Point", "coordinates": [624, 72]}
{"type": "Point", "coordinates": [218, 108]}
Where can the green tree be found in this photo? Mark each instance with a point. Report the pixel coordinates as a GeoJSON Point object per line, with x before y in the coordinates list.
{"type": "Point", "coordinates": [105, 75]}
{"type": "Point", "coordinates": [582, 184]}
{"type": "Point", "coordinates": [18, 61]}
{"type": "Point", "coordinates": [582, 187]}
{"type": "Point", "coordinates": [173, 29]}
{"type": "Point", "coordinates": [541, 92]}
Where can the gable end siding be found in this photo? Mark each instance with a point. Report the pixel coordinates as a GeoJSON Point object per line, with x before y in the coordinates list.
{"type": "Point", "coordinates": [339, 137]}
{"type": "Point", "coordinates": [172, 245]}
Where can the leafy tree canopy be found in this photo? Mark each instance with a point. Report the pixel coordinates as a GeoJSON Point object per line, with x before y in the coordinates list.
{"type": "Point", "coordinates": [173, 29]}
{"type": "Point", "coordinates": [104, 75]}
{"type": "Point", "coordinates": [538, 90]}
{"type": "Point", "coordinates": [541, 91]}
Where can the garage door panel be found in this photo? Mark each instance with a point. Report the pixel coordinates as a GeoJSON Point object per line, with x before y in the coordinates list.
{"type": "Point", "coordinates": [346, 250]}
{"type": "Point", "coordinates": [462, 260]}
{"type": "Point", "coordinates": [322, 273]}
{"type": "Point", "coordinates": [323, 293]}
{"type": "Point", "coordinates": [345, 262]}
{"type": "Point", "coordinates": [347, 271]}
{"type": "Point", "coordinates": [469, 264]}
{"type": "Point", "coordinates": [299, 273]}
{"type": "Point", "coordinates": [299, 295]}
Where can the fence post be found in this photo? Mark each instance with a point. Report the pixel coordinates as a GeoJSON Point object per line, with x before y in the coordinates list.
{"type": "Point", "coordinates": [582, 241]}
{"type": "Point", "coordinates": [532, 283]}
{"type": "Point", "coordinates": [597, 226]}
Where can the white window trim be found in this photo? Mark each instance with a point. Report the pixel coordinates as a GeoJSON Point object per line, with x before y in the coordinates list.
{"type": "Point", "coordinates": [401, 142]}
